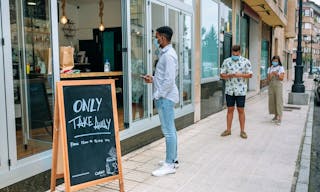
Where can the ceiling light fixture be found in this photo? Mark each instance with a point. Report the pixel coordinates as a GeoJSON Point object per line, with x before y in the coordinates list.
{"type": "Point", "coordinates": [63, 18]}
{"type": "Point", "coordinates": [101, 6]}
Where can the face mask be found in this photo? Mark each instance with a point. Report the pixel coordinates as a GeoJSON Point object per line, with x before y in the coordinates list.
{"type": "Point", "coordinates": [156, 43]}
{"type": "Point", "coordinates": [274, 63]}
{"type": "Point", "coordinates": [235, 57]}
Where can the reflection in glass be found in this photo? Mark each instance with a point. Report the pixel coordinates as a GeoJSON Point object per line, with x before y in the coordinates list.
{"type": "Point", "coordinates": [244, 36]}
{"type": "Point", "coordinates": [210, 40]}
{"type": "Point", "coordinates": [226, 18]}
{"type": "Point", "coordinates": [186, 58]}
{"type": "Point", "coordinates": [264, 59]}
{"type": "Point", "coordinates": [225, 35]}
{"type": "Point", "coordinates": [32, 74]}
{"type": "Point", "coordinates": [157, 19]}
{"type": "Point", "coordinates": [138, 59]}
{"type": "Point", "coordinates": [174, 24]}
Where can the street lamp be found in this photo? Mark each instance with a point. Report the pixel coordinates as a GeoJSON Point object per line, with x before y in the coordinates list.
{"type": "Point", "coordinates": [298, 95]}
{"type": "Point", "coordinates": [298, 86]}
{"type": "Point", "coordinates": [311, 61]}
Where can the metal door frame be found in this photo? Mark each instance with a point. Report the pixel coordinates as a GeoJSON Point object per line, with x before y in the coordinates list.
{"type": "Point", "coordinates": [38, 163]}
{"type": "Point", "coordinates": [4, 149]}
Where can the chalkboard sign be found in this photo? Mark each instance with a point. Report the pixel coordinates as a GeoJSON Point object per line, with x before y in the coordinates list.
{"type": "Point", "coordinates": [89, 130]}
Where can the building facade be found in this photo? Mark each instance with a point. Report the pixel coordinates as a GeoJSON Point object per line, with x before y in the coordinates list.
{"type": "Point", "coordinates": [310, 35]}
{"type": "Point", "coordinates": [204, 31]}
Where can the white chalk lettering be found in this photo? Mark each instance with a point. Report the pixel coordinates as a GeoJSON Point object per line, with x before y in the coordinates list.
{"type": "Point", "coordinates": [90, 105]}
{"type": "Point", "coordinates": [103, 124]}
{"type": "Point", "coordinates": [80, 121]}
{"type": "Point", "coordinates": [77, 106]}
{"type": "Point", "coordinates": [73, 144]}
{"type": "Point", "coordinates": [102, 172]}
{"type": "Point", "coordinates": [98, 140]}
{"type": "Point", "coordinates": [99, 101]}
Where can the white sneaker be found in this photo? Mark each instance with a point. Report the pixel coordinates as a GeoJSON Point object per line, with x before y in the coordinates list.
{"type": "Point", "coordinates": [176, 164]}
{"type": "Point", "coordinates": [165, 169]}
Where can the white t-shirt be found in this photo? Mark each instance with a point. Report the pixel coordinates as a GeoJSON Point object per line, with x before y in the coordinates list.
{"type": "Point", "coordinates": [278, 69]}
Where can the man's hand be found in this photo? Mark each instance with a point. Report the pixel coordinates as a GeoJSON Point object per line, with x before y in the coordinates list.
{"type": "Point", "coordinates": [238, 75]}
{"type": "Point", "coordinates": [231, 75]}
{"type": "Point", "coordinates": [148, 78]}
{"type": "Point", "coordinates": [242, 75]}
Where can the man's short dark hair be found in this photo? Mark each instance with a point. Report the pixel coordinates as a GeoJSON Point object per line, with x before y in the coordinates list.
{"type": "Point", "coordinates": [165, 31]}
{"type": "Point", "coordinates": [235, 48]}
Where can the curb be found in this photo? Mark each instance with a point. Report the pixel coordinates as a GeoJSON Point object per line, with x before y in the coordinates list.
{"type": "Point", "coordinates": [302, 172]}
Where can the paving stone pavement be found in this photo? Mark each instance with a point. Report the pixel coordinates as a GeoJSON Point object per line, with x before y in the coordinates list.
{"type": "Point", "coordinates": [264, 162]}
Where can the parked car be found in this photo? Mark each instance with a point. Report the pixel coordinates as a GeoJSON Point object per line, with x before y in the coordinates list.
{"type": "Point", "coordinates": [315, 69]}
{"type": "Point", "coordinates": [317, 87]}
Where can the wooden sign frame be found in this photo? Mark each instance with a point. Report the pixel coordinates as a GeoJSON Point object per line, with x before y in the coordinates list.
{"type": "Point", "coordinates": [60, 161]}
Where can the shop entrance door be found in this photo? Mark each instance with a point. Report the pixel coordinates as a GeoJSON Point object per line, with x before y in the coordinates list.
{"type": "Point", "coordinates": [143, 56]}
{"type": "Point", "coordinates": [4, 166]}
{"type": "Point", "coordinates": [30, 92]}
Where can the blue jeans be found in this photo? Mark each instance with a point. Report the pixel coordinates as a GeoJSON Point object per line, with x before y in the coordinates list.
{"type": "Point", "coordinates": [166, 114]}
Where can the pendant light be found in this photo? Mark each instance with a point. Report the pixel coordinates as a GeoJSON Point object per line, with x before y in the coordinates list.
{"type": "Point", "coordinates": [63, 18]}
{"type": "Point", "coordinates": [101, 26]}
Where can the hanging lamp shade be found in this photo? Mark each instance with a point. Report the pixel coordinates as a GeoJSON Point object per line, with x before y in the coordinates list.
{"type": "Point", "coordinates": [63, 18]}
{"type": "Point", "coordinates": [101, 6]}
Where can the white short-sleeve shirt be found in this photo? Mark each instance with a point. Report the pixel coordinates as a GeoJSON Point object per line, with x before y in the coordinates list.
{"type": "Point", "coordinates": [279, 69]}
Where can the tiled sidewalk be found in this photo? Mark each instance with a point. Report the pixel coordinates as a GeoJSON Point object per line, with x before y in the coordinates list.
{"type": "Point", "coordinates": [265, 162]}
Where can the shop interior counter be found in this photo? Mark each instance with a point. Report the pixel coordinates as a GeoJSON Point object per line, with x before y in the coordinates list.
{"type": "Point", "coordinates": [111, 74]}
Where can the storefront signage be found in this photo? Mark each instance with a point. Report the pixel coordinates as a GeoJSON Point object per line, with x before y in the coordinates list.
{"type": "Point", "coordinates": [86, 127]}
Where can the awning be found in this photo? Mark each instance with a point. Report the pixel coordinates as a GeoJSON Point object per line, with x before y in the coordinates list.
{"type": "Point", "coordinates": [268, 11]}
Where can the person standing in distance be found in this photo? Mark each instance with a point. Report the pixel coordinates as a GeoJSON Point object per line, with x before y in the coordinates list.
{"type": "Point", "coordinates": [166, 94]}
{"type": "Point", "coordinates": [236, 70]}
{"type": "Point", "coordinates": [275, 78]}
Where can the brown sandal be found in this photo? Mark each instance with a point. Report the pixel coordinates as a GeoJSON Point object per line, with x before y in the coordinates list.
{"type": "Point", "coordinates": [243, 135]}
{"type": "Point", "coordinates": [225, 133]}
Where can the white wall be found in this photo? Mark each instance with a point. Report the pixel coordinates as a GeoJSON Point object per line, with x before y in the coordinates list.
{"type": "Point", "coordinates": [86, 17]}
{"type": "Point", "coordinates": [89, 17]}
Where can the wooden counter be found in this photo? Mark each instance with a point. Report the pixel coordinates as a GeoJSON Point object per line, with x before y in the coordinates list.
{"type": "Point", "coordinates": [90, 74]}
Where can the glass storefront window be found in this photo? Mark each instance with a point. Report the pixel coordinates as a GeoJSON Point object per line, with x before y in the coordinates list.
{"type": "Point", "coordinates": [244, 36]}
{"type": "Point", "coordinates": [138, 59]}
{"type": "Point", "coordinates": [157, 20]}
{"type": "Point", "coordinates": [186, 58]}
{"type": "Point", "coordinates": [144, 61]}
{"type": "Point", "coordinates": [225, 18]}
{"type": "Point", "coordinates": [32, 75]}
{"type": "Point", "coordinates": [174, 24]}
{"type": "Point", "coordinates": [225, 29]}
{"type": "Point", "coordinates": [264, 59]}
{"type": "Point", "coordinates": [210, 39]}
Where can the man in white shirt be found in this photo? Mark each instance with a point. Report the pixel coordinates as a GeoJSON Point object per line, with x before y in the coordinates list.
{"type": "Point", "coordinates": [236, 70]}
{"type": "Point", "coordinates": [166, 94]}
